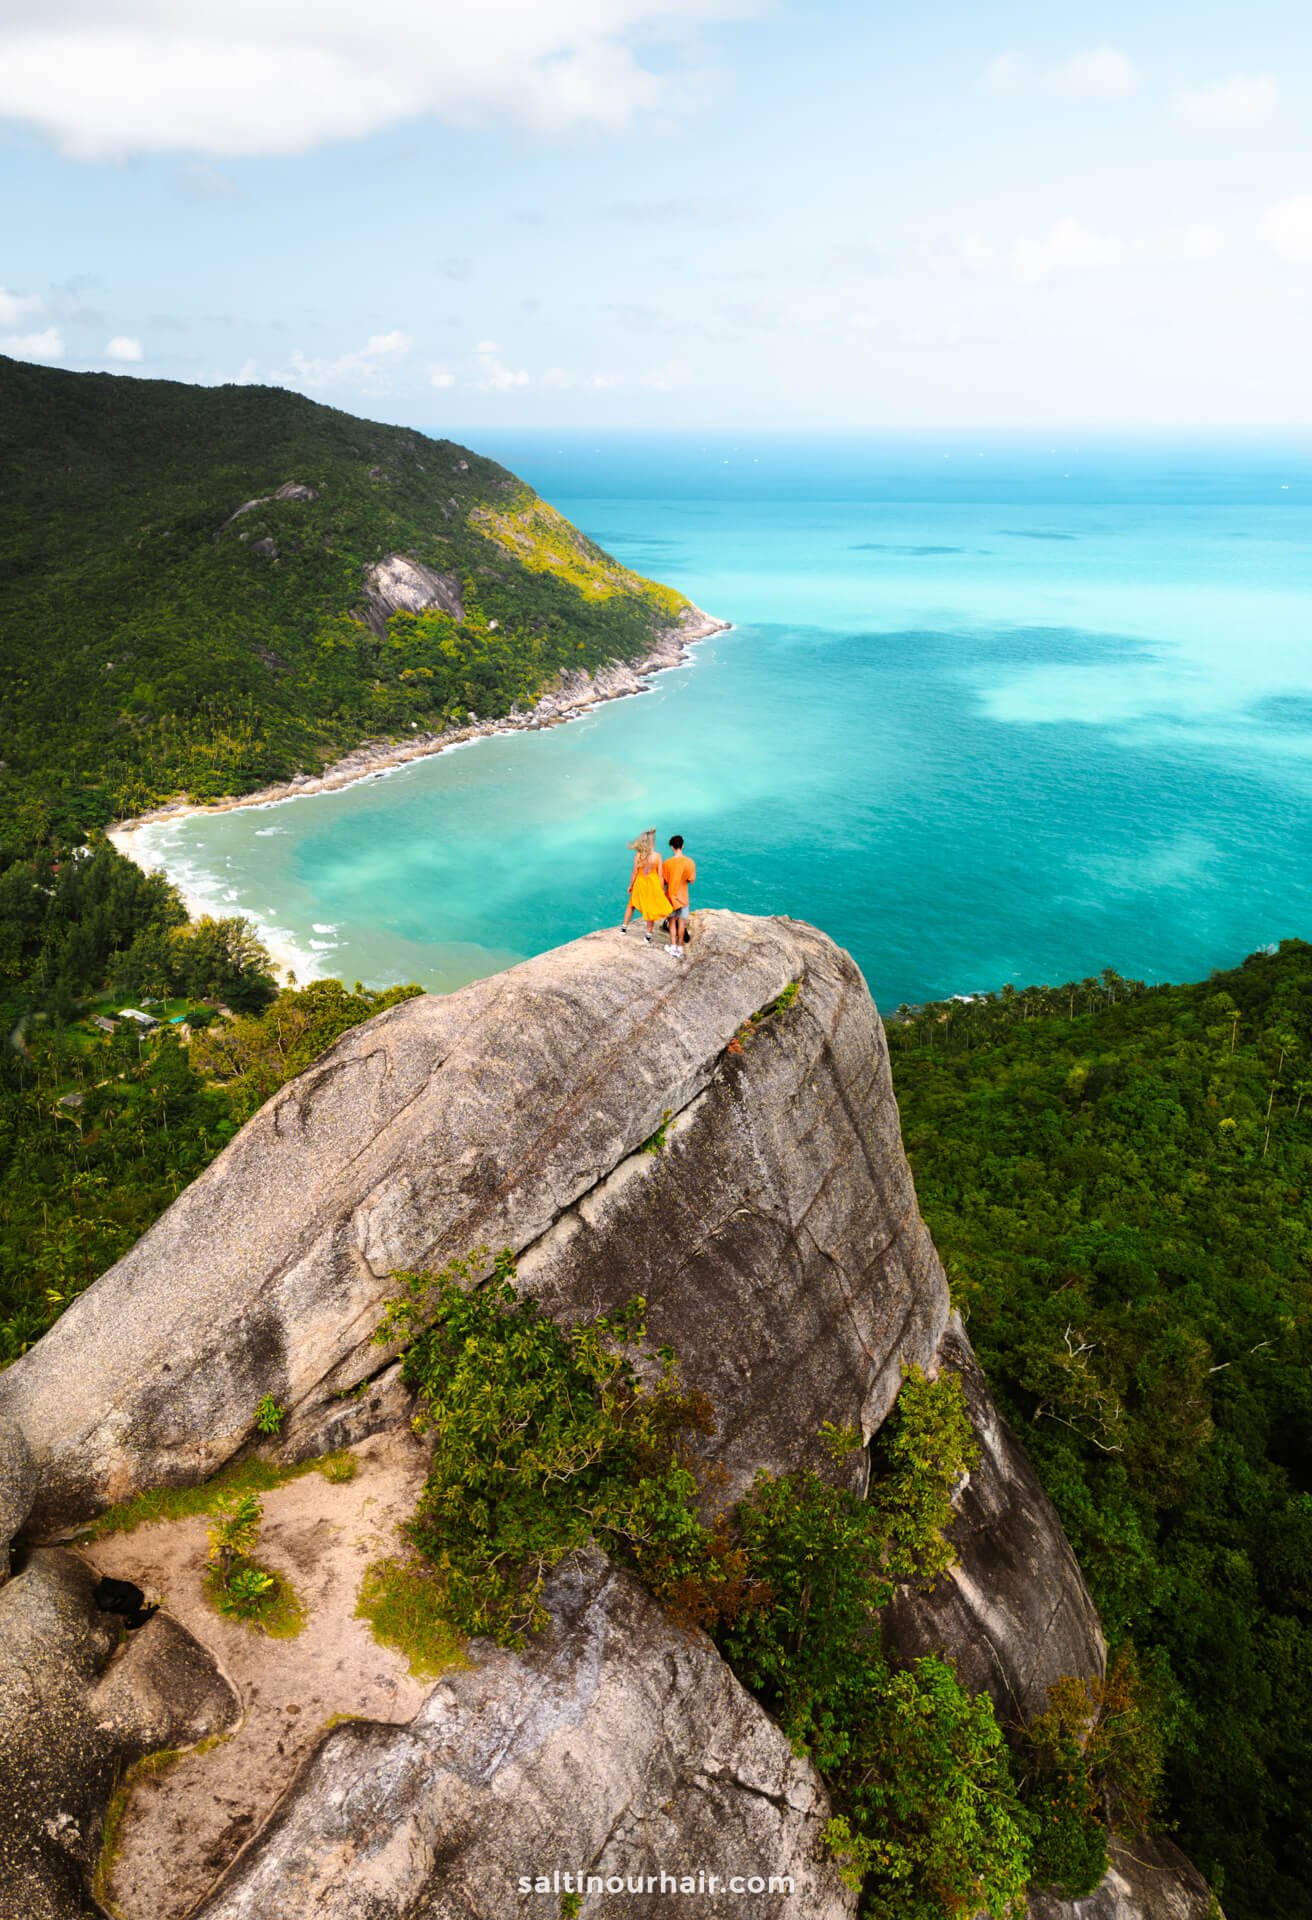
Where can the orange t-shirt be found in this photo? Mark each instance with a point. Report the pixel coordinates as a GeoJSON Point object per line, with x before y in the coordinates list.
{"type": "Point", "coordinates": [679, 872]}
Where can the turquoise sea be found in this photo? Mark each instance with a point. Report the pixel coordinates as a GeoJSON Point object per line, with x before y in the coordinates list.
{"type": "Point", "coordinates": [991, 710]}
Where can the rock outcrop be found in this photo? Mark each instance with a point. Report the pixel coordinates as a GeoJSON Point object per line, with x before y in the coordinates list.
{"type": "Point", "coordinates": [775, 1236]}
{"type": "Point", "coordinates": [401, 584]}
{"type": "Point", "coordinates": [72, 1718]}
{"type": "Point", "coordinates": [625, 1123]}
{"type": "Point", "coordinates": [289, 490]}
{"type": "Point", "coordinates": [615, 1746]}
{"type": "Point", "coordinates": [1013, 1612]}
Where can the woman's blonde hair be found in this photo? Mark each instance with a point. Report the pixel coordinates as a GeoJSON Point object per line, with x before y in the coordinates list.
{"type": "Point", "coordinates": [645, 842]}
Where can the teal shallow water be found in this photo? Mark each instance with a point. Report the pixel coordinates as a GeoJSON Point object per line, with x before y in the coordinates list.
{"type": "Point", "coordinates": [1016, 714]}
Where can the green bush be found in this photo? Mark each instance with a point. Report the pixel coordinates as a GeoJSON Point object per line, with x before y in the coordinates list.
{"type": "Point", "coordinates": [545, 1438]}
{"type": "Point", "coordinates": [235, 1581]}
{"type": "Point", "coordinates": [928, 1818]}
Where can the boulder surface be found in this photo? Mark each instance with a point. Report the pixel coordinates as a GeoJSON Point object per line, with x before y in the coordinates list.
{"type": "Point", "coordinates": [614, 1747]}
{"type": "Point", "coordinates": [18, 1483]}
{"type": "Point", "coordinates": [1013, 1611]}
{"type": "Point", "coordinates": [72, 1718]}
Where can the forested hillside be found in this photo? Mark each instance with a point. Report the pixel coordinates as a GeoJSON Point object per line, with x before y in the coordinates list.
{"type": "Point", "coordinates": [1120, 1183]}
{"type": "Point", "coordinates": [160, 633]}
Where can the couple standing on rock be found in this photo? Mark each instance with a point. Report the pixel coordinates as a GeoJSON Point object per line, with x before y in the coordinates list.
{"type": "Point", "coordinates": [659, 890]}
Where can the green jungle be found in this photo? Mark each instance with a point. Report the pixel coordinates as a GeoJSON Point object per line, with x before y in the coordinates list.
{"type": "Point", "coordinates": [1117, 1176]}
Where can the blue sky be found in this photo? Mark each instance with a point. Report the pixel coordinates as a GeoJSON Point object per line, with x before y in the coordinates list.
{"type": "Point", "coordinates": [702, 212]}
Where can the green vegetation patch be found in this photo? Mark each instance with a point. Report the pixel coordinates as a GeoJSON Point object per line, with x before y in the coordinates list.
{"type": "Point", "coordinates": [1119, 1179]}
{"type": "Point", "coordinates": [404, 1602]}
{"type": "Point", "coordinates": [544, 1438]}
{"type": "Point", "coordinates": [252, 1476]}
{"type": "Point", "coordinates": [80, 1184]}
{"type": "Point", "coordinates": [236, 1584]}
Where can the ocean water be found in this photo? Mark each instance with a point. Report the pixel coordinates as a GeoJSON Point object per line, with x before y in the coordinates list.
{"type": "Point", "coordinates": [991, 710]}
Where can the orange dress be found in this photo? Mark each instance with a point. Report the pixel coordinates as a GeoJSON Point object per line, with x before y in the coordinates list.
{"type": "Point", "coordinates": [648, 896]}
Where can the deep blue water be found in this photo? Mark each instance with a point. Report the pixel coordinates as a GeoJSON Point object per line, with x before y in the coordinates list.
{"type": "Point", "coordinates": [992, 709]}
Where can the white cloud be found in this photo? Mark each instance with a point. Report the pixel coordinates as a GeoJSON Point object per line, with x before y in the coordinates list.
{"type": "Point", "coordinates": [1228, 106]}
{"type": "Point", "coordinates": [124, 347]}
{"type": "Point", "coordinates": [17, 307]}
{"type": "Point", "coordinates": [35, 346]}
{"type": "Point", "coordinates": [1070, 247]}
{"type": "Point", "coordinates": [441, 377]}
{"type": "Point", "coordinates": [109, 78]}
{"type": "Point", "coordinates": [562, 380]}
{"type": "Point", "coordinates": [1287, 229]}
{"type": "Point", "coordinates": [1098, 73]}
{"type": "Point", "coordinates": [1189, 245]}
{"type": "Point", "coordinates": [668, 377]}
{"type": "Point", "coordinates": [369, 367]}
{"type": "Point", "coordinates": [493, 375]}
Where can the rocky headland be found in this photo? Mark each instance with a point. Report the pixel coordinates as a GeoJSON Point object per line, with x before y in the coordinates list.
{"type": "Point", "coordinates": [597, 1112]}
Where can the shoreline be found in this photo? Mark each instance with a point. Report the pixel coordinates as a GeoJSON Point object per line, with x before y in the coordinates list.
{"type": "Point", "coordinates": [576, 693]}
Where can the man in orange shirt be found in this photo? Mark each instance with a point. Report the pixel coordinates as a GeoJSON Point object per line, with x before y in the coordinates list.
{"type": "Point", "coordinates": [678, 873]}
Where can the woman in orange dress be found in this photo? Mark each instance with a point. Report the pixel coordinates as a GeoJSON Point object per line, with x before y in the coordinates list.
{"type": "Point", "coordinates": [647, 894]}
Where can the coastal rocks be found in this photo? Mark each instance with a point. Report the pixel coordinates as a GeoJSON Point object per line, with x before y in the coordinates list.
{"type": "Point", "coordinates": [1013, 1612]}
{"type": "Point", "coordinates": [1148, 1879]}
{"type": "Point", "coordinates": [401, 584]}
{"type": "Point", "coordinates": [570, 1110]}
{"type": "Point", "coordinates": [614, 1745]}
{"type": "Point", "coordinates": [72, 1718]}
{"type": "Point", "coordinates": [18, 1483]}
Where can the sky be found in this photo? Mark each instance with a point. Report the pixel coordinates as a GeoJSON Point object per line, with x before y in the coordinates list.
{"type": "Point", "coordinates": [634, 213]}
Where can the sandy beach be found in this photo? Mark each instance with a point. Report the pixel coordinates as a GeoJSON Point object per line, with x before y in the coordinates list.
{"type": "Point", "coordinates": [575, 694]}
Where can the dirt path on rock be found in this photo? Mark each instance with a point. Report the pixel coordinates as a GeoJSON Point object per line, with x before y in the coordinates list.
{"type": "Point", "coordinates": [184, 1824]}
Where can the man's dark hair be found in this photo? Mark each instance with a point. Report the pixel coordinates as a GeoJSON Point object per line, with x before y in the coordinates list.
{"type": "Point", "coordinates": [676, 839]}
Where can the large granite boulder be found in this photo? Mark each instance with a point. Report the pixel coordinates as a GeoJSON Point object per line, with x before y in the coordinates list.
{"type": "Point", "coordinates": [74, 1713]}
{"type": "Point", "coordinates": [775, 1231]}
{"type": "Point", "coordinates": [614, 1747]}
{"type": "Point", "coordinates": [1013, 1612]}
{"type": "Point", "coordinates": [626, 1123]}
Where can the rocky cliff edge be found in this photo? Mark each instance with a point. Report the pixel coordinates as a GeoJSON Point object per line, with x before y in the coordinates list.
{"type": "Point", "coordinates": [626, 1123]}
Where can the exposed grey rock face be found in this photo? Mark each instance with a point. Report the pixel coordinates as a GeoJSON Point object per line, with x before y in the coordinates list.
{"type": "Point", "coordinates": [18, 1482]}
{"type": "Point", "coordinates": [401, 584]}
{"type": "Point", "coordinates": [71, 1719]}
{"type": "Point", "coordinates": [290, 490]}
{"type": "Point", "coordinates": [1148, 1879]}
{"type": "Point", "coordinates": [776, 1237]}
{"type": "Point", "coordinates": [1014, 1612]}
{"type": "Point", "coordinates": [614, 1745]}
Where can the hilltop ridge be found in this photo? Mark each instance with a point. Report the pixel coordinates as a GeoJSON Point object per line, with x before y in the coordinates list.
{"type": "Point", "coordinates": [207, 589]}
